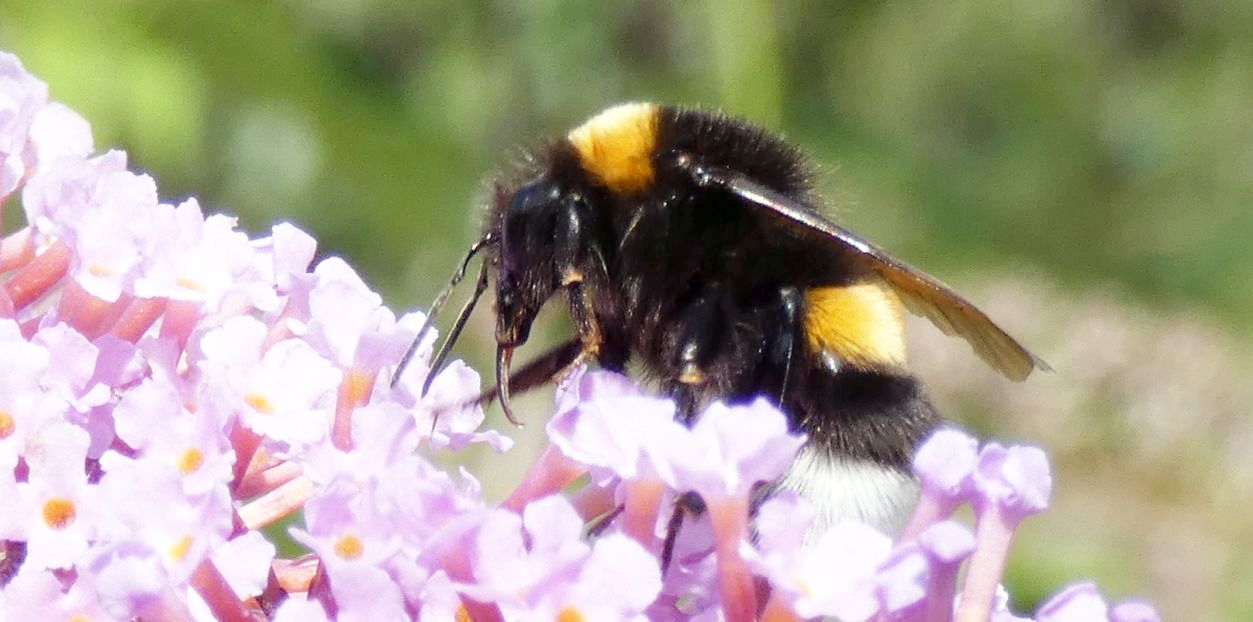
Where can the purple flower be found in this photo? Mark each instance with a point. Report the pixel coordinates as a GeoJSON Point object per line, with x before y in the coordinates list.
{"type": "Point", "coordinates": [193, 258]}
{"type": "Point", "coordinates": [245, 562]}
{"type": "Point", "coordinates": [617, 582]}
{"type": "Point", "coordinates": [947, 544]}
{"type": "Point", "coordinates": [1016, 479]}
{"type": "Point", "coordinates": [731, 448]}
{"type": "Point", "coordinates": [450, 416]}
{"type": "Point", "coordinates": [904, 580]}
{"type": "Point", "coordinates": [288, 389]}
{"type": "Point", "coordinates": [152, 506]}
{"type": "Point", "coordinates": [108, 232]}
{"type": "Point", "coordinates": [1133, 611]}
{"type": "Point", "coordinates": [607, 422]}
{"type": "Point", "coordinates": [347, 322]}
{"type": "Point", "coordinates": [439, 598]}
{"type": "Point", "coordinates": [298, 609]}
{"type": "Point", "coordinates": [364, 593]}
{"type": "Point", "coordinates": [836, 576]}
{"type": "Point", "coordinates": [22, 96]}
{"type": "Point", "coordinates": [59, 512]}
{"type": "Point", "coordinates": [1076, 603]}
{"type": "Point", "coordinates": [1083, 602]}
{"type": "Point", "coordinates": [556, 574]}
{"type": "Point", "coordinates": [192, 446]}
{"type": "Point", "coordinates": [37, 594]}
{"type": "Point", "coordinates": [1012, 484]}
{"type": "Point", "coordinates": [130, 580]}
{"type": "Point", "coordinates": [945, 465]}
{"type": "Point", "coordinates": [57, 132]}
{"type": "Point", "coordinates": [347, 528]}
{"type": "Point", "coordinates": [24, 407]}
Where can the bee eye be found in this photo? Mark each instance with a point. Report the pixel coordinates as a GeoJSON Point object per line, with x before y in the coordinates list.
{"type": "Point", "coordinates": [534, 196]}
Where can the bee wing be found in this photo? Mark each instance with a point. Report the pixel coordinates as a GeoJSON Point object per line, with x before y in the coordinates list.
{"type": "Point", "coordinates": [922, 294]}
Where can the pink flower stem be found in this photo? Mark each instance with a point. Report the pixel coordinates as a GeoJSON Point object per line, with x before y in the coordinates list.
{"type": "Point", "coordinates": [777, 610]}
{"type": "Point", "coordinates": [932, 508]}
{"type": "Point", "coordinates": [294, 575]}
{"type": "Point", "coordinates": [280, 329]}
{"type": "Point", "coordinates": [138, 317]}
{"type": "Point", "coordinates": [39, 276]}
{"type": "Point", "coordinates": [941, 589]}
{"type": "Point", "coordinates": [353, 392]}
{"type": "Point", "coordinates": [81, 310]}
{"type": "Point", "coordinates": [320, 590]}
{"type": "Point", "coordinates": [277, 503]}
{"type": "Point", "coordinates": [262, 481]}
{"type": "Point", "coordinates": [994, 534]}
{"type": "Point", "coordinates": [218, 595]}
{"type": "Point", "coordinates": [593, 501]}
{"type": "Point", "coordinates": [476, 611]}
{"type": "Point", "coordinates": [245, 443]}
{"type": "Point", "coordinates": [735, 582]}
{"type": "Point", "coordinates": [451, 553]}
{"type": "Point", "coordinates": [552, 472]}
{"type": "Point", "coordinates": [640, 507]}
{"type": "Point", "coordinates": [17, 249]}
{"type": "Point", "coordinates": [178, 321]}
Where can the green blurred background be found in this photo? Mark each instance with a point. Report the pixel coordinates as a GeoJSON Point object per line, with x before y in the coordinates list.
{"type": "Point", "coordinates": [1084, 170]}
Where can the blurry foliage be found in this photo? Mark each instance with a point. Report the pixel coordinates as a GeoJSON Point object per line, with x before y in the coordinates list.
{"type": "Point", "coordinates": [1099, 141]}
{"type": "Point", "coordinates": [1107, 145]}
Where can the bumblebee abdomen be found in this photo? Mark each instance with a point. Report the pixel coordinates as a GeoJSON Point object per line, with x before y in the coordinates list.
{"type": "Point", "coordinates": [860, 325]}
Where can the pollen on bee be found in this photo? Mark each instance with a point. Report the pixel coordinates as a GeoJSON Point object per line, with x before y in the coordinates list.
{"type": "Point", "coordinates": [616, 146]}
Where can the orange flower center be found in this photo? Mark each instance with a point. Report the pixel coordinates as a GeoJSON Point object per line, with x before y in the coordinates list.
{"type": "Point", "coordinates": [349, 547]}
{"type": "Point", "coordinates": [260, 402]}
{"type": "Point", "coordinates": [178, 550]}
{"type": "Point", "coordinates": [7, 424]}
{"type": "Point", "coordinates": [59, 513]}
{"type": "Point", "coordinates": [570, 614]}
{"type": "Point", "coordinates": [190, 461]}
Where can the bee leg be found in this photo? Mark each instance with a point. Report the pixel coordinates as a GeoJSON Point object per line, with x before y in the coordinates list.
{"type": "Point", "coordinates": [701, 324]}
{"type": "Point", "coordinates": [579, 265]}
{"type": "Point", "coordinates": [782, 349]}
{"type": "Point", "coordinates": [688, 503]}
{"type": "Point", "coordinates": [599, 524]}
{"type": "Point", "coordinates": [701, 331]}
{"type": "Point", "coordinates": [590, 336]}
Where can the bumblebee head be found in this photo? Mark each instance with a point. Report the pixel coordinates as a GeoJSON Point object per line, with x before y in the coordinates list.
{"type": "Point", "coordinates": [527, 276]}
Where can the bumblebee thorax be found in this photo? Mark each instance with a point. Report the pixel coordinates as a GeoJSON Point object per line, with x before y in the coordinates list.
{"type": "Point", "coordinates": [616, 147]}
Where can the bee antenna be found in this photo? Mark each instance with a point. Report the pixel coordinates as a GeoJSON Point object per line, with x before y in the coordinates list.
{"type": "Point", "coordinates": [439, 303]}
{"type": "Point", "coordinates": [464, 316]}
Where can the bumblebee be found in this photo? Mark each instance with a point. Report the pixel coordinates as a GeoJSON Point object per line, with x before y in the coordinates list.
{"type": "Point", "coordinates": [692, 244]}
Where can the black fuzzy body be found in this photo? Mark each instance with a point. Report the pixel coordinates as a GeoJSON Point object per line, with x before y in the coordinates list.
{"type": "Point", "coordinates": [677, 258]}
